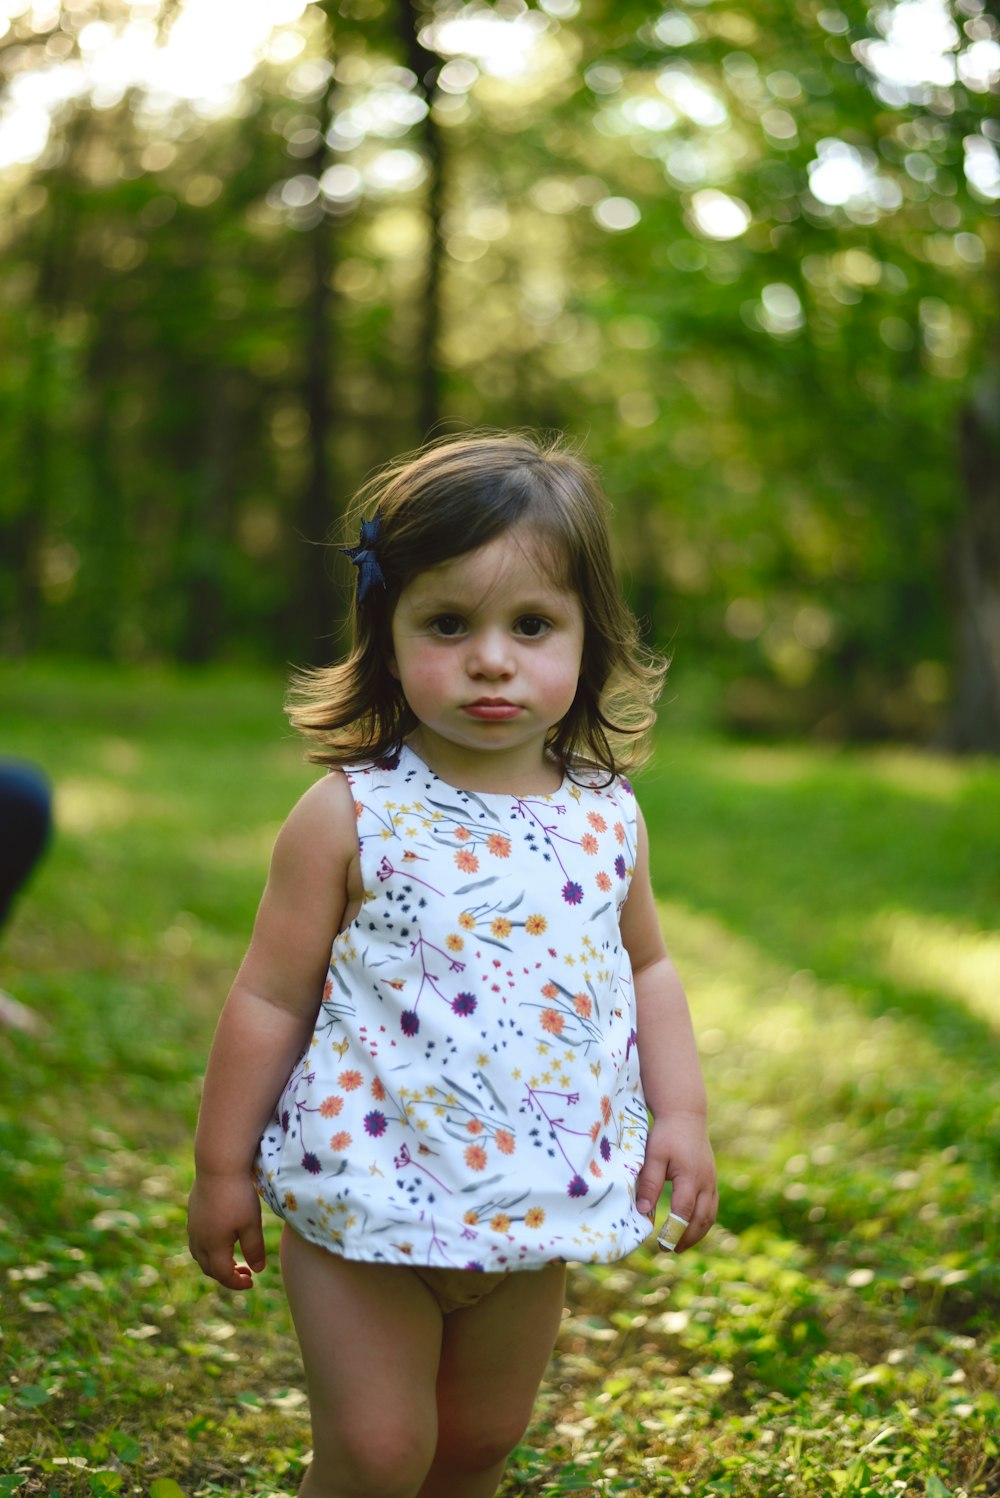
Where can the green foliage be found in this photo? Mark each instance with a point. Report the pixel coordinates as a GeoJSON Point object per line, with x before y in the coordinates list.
{"type": "Point", "coordinates": [776, 411]}
{"type": "Point", "coordinates": [831, 912]}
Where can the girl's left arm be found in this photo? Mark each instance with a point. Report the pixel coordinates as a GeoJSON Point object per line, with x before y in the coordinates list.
{"type": "Point", "coordinates": [678, 1148]}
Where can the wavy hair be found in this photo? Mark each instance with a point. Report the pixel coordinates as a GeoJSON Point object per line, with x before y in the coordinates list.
{"type": "Point", "coordinates": [452, 497]}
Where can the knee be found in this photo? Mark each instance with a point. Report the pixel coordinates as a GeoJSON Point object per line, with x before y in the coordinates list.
{"type": "Point", "coordinates": [387, 1461]}
{"type": "Point", "coordinates": [468, 1446]}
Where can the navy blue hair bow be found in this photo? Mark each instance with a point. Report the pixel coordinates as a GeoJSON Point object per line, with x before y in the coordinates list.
{"type": "Point", "coordinates": [365, 556]}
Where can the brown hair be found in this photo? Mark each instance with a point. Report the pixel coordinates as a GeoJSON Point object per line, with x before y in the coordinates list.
{"type": "Point", "coordinates": [445, 500]}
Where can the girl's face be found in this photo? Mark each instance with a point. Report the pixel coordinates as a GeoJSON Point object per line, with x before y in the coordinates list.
{"type": "Point", "coordinates": [487, 648]}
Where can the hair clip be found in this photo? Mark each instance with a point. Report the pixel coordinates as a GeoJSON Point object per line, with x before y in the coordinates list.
{"type": "Point", "coordinates": [365, 557]}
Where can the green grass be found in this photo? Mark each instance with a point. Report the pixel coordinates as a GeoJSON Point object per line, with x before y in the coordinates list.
{"type": "Point", "coordinates": [831, 913]}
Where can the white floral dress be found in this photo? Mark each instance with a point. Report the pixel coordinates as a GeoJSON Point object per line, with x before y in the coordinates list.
{"type": "Point", "coordinates": [470, 1096]}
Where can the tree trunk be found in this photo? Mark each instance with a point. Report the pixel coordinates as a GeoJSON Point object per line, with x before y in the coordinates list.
{"type": "Point", "coordinates": [317, 509]}
{"type": "Point", "coordinates": [427, 65]}
{"type": "Point", "coordinates": [975, 712]}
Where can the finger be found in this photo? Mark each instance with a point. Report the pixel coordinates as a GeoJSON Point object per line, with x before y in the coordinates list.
{"type": "Point", "coordinates": [252, 1244]}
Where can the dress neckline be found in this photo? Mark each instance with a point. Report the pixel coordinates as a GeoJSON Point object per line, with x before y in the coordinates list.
{"type": "Point", "coordinates": [465, 791]}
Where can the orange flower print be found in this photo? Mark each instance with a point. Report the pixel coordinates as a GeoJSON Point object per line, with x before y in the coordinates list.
{"type": "Point", "coordinates": [501, 926]}
{"type": "Point", "coordinates": [595, 1129]}
{"type": "Point", "coordinates": [471, 1219]}
{"type": "Point", "coordinates": [582, 1005]}
{"type": "Point", "coordinates": [550, 991]}
{"type": "Point", "coordinates": [619, 832]}
{"type": "Point", "coordinates": [498, 845]}
{"type": "Point", "coordinates": [331, 1106]}
{"type": "Point", "coordinates": [467, 861]}
{"type": "Point", "coordinates": [350, 1081]}
{"type": "Point", "coordinates": [467, 921]}
{"type": "Point", "coordinates": [500, 1223]}
{"type": "Point", "coordinates": [603, 881]}
{"type": "Point", "coordinates": [327, 989]}
{"type": "Point", "coordinates": [606, 1108]}
{"type": "Point", "coordinates": [454, 943]}
{"type": "Point", "coordinates": [359, 807]}
{"type": "Point", "coordinates": [595, 1169]}
{"type": "Point", "coordinates": [475, 1157]}
{"type": "Point", "coordinates": [597, 821]}
{"type": "Point", "coordinates": [535, 925]}
{"type": "Point", "coordinates": [504, 1141]}
{"type": "Point", "coordinates": [534, 1217]}
{"type": "Point", "coordinates": [589, 843]}
{"type": "Point", "coordinates": [463, 834]}
{"type": "Point", "coordinates": [340, 1141]}
{"type": "Point", "coordinates": [552, 1021]}
{"type": "Point", "coordinates": [473, 1126]}
{"type": "Point", "coordinates": [290, 1202]}
{"type": "Point", "coordinates": [378, 1091]}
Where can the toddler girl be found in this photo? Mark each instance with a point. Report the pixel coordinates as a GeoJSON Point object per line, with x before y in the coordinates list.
{"type": "Point", "coordinates": [439, 1057]}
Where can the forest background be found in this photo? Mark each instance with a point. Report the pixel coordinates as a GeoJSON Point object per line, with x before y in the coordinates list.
{"type": "Point", "coordinates": [746, 253]}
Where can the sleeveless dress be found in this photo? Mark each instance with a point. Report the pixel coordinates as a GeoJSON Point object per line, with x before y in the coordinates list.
{"type": "Point", "coordinates": [470, 1096]}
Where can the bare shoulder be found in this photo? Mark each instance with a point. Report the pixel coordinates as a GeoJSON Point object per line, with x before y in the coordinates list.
{"type": "Point", "coordinates": [319, 835]}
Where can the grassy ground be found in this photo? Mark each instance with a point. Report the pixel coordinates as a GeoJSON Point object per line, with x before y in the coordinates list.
{"type": "Point", "coordinates": [831, 912]}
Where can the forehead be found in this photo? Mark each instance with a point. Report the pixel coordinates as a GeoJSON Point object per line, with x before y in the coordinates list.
{"type": "Point", "coordinates": [521, 561]}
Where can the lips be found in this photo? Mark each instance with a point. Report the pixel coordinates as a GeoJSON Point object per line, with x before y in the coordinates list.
{"type": "Point", "coordinates": [492, 709]}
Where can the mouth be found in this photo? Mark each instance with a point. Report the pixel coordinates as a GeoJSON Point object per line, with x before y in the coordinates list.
{"type": "Point", "coordinates": [491, 709]}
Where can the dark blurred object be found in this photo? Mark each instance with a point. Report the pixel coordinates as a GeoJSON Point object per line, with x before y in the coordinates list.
{"type": "Point", "coordinates": [25, 826]}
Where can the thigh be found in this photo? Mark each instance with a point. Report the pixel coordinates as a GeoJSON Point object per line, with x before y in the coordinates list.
{"type": "Point", "coordinates": [493, 1356]}
{"type": "Point", "coordinates": [370, 1336]}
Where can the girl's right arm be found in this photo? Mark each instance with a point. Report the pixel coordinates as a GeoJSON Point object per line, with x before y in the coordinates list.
{"type": "Point", "coordinates": [266, 1022]}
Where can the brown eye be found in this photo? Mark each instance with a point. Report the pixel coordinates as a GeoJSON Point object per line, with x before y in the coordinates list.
{"type": "Point", "coordinates": [533, 626]}
{"type": "Point", "coordinates": [447, 625]}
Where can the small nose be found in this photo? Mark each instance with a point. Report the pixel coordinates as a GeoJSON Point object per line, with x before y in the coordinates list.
{"type": "Point", "coordinates": [490, 654]}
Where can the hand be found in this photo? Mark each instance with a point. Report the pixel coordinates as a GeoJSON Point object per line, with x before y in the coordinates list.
{"type": "Point", "coordinates": [221, 1211]}
{"type": "Point", "coordinates": [678, 1151]}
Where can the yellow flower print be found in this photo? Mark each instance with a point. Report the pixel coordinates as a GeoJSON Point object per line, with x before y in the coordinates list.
{"type": "Point", "coordinates": [535, 925]}
{"type": "Point", "coordinates": [467, 921]}
{"type": "Point", "coordinates": [534, 1217]}
{"type": "Point", "coordinates": [501, 926]}
{"type": "Point", "coordinates": [454, 943]}
{"type": "Point", "coordinates": [471, 1219]}
{"type": "Point", "coordinates": [290, 1202]}
{"type": "Point", "coordinates": [500, 1223]}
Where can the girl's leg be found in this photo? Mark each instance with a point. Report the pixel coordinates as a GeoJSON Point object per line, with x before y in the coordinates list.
{"type": "Point", "coordinates": [493, 1356]}
{"type": "Point", "coordinates": [371, 1343]}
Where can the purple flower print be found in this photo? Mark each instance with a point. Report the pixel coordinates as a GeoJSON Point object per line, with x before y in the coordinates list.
{"type": "Point", "coordinates": [578, 1187]}
{"type": "Point", "coordinates": [465, 1003]}
{"type": "Point", "coordinates": [408, 1022]}
{"type": "Point", "coordinates": [311, 1163]}
{"type": "Point", "coordinates": [572, 893]}
{"type": "Point", "coordinates": [620, 866]}
{"type": "Point", "coordinates": [474, 1266]}
{"type": "Point", "coordinates": [375, 1123]}
{"type": "Point", "coordinates": [605, 1148]}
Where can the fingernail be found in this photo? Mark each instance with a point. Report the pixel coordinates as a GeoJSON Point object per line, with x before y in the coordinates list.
{"type": "Point", "coordinates": [644, 1206]}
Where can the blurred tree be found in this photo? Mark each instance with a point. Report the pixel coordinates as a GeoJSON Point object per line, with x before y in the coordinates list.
{"type": "Point", "coordinates": [749, 254]}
